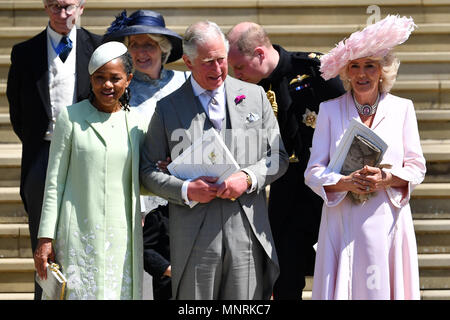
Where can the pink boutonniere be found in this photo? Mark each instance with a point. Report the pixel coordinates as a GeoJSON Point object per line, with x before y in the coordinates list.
{"type": "Point", "coordinates": [238, 99]}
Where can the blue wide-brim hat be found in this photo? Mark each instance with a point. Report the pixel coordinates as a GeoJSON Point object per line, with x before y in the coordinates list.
{"type": "Point", "coordinates": [143, 22]}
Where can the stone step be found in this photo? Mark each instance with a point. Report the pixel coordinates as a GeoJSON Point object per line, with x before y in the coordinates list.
{"type": "Point", "coordinates": [431, 199]}
{"type": "Point", "coordinates": [434, 272]}
{"type": "Point", "coordinates": [16, 275]}
{"type": "Point", "coordinates": [428, 37]}
{"type": "Point", "coordinates": [7, 134]}
{"type": "Point", "coordinates": [424, 203]}
{"type": "Point", "coordinates": [432, 235]}
{"type": "Point", "coordinates": [17, 296]}
{"type": "Point", "coordinates": [15, 241]}
{"type": "Point", "coordinates": [10, 155]}
{"type": "Point", "coordinates": [436, 152]}
{"type": "Point", "coordinates": [433, 124]}
{"type": "Point", "coordinates": [11, 207]}
{"type": "Point", "coordinates": [430, 216]}
{"type": "Point", "coordinates": [435, 294]}
{"type": "Point", "coordinates": [426, 94]}
{"type": "Point", "coordinates": [424, 65]}
{"type": "Point", "coordinates": [264, 11]}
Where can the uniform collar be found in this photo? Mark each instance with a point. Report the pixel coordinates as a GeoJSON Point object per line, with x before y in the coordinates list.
{"type": "Point", "coordinates": [280, 70]}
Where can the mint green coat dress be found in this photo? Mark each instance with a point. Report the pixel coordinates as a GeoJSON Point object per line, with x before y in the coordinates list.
{"type": "Point", "coordinates": [91, 202]}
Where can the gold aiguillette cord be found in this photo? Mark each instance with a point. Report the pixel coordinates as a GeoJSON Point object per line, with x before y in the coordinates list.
{"type": "Point", "coordinates": [273, 100]}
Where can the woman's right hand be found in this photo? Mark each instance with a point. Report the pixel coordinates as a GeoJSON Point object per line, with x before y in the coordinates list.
{"type": "Point", "coordinates": [42, 255]}
{"type": "Point", "coordinates": [162, 165]}
{"type": "Point", "coordinates": [348, 183]}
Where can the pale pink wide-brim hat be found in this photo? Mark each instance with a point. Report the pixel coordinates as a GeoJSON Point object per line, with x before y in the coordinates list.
{"type": "Point", "coordinates": [375, 40]}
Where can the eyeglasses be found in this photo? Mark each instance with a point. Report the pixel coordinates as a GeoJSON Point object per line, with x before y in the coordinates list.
{"type": "Point", "coordinates": [56, 8]}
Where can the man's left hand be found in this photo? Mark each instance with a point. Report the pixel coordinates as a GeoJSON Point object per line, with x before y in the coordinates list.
{"type": "Point", "coordinates": [233, 187]}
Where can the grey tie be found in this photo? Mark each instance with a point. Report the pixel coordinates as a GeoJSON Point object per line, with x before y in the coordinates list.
{"type": "Point", "coordinates": [215, 110]}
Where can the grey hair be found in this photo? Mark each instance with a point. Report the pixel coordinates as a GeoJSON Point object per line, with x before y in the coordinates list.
{"type": "Point", "coordinates": [80, 2]}
{"type": "Point", "coordinates": [199, 33]}
{"type": "Point", "coordinates": [389, 69]}
{"type": "Point", "coordinates": [164, 44]}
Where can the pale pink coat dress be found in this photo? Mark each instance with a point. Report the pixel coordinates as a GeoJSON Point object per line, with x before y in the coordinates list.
{"type": "Point", "coordinates": [367, 251]}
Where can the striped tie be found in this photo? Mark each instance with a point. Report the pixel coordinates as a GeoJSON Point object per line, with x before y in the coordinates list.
{"type": "Point", "coordinates": [215, 110]}
{"type": "Point", "coordinates": [66, 44]}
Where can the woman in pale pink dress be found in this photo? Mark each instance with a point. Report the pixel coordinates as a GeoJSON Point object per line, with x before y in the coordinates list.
{"type": "Point", "coordinates": [367, 249]}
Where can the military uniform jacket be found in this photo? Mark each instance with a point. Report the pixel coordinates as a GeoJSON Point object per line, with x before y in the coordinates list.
{"type": "Point", "coordinates": [299, 89]}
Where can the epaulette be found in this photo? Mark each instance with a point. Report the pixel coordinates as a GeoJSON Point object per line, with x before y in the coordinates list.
{"type": "Point", "coordinates": [308, 57]}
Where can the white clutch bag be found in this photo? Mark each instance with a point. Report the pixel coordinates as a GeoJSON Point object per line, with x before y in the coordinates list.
{"type": "Point", "coordinates": [55, 284]}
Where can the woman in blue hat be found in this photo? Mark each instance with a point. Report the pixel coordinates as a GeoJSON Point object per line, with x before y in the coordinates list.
{"type": "Point", "coordinates": [151, 45]}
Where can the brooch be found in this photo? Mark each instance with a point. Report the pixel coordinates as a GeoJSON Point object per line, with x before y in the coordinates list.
{"type": "Point", "coordinates": [309, 118]}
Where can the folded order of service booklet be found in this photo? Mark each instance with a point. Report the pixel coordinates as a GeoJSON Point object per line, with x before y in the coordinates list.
{"type": "Point", "coordinates": [207, 156]}
{"type": "Point", "coordinates": [359, 146]}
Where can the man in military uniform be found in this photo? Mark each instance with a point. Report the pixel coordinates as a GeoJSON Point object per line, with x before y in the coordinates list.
{"type": "Point", "coordinates": [295, 88]}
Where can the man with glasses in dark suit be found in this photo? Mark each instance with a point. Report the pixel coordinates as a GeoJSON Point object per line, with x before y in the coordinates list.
{"type": "Point", "coordinates": [48, 72]}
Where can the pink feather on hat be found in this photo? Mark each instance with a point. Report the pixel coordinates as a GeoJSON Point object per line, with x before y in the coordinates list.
{"type": "Point", "coordinates": [375, 40]}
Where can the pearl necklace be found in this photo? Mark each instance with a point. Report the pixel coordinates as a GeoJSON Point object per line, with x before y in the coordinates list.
{"type": "Point", "coordinates": [366, 109]}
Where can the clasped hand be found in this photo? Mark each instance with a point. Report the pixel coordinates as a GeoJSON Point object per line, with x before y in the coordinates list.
{"type": "Point", "coordinates": [205, 189]}
{"type": "Point", "coordinates": [368, 179]}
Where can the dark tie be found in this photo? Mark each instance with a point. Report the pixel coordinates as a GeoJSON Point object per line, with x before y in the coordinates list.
{"type": "Point", "coordinates": [66, 45]}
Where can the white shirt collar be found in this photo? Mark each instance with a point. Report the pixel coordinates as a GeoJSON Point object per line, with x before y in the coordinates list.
{"type": "Point", "coordinates": [55, 37]}
{"type": "Point", "coordinates": [198, 90]}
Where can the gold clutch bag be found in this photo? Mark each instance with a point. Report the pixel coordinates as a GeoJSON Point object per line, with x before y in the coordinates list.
{"type": "Point", "coordinates": [55, 284]}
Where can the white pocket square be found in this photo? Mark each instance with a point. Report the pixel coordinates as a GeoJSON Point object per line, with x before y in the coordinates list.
{"type": "Point", "coordinates": [251, 117]}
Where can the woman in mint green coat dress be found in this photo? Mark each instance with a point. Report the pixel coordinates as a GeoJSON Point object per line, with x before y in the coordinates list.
{"type": "Point", "coordinates": [91, 218]}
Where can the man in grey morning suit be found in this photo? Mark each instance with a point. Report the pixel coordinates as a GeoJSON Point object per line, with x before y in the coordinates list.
{"type": "Point", "coordinates": [221, 248]}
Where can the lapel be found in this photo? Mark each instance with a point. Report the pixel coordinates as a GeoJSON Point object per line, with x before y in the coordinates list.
{"type": "Point", "coordinates": [84, 50]}
{"type": "Point", "coordinates": [236, 112]}
{"type": "Point", "coordinates": [94, 121]}
{"type": "Point", "coordinates": [40, 69]}
{"type": "Point", "coordinates": [189, 110]}
{"type": "Point", "coordinates": [382, 110]}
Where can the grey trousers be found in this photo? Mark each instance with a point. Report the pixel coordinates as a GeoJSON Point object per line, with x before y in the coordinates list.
{"type": "Point", "coordinates": [226, 262]}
